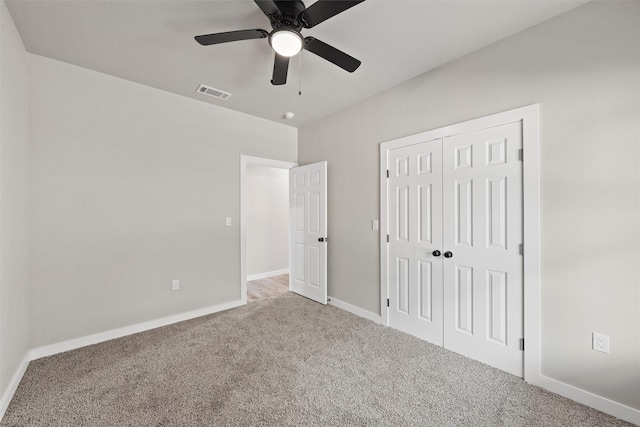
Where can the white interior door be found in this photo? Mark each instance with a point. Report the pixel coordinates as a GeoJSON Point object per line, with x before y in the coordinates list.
{"type": "Point", "coordinates": [308, 231]}
{"type": "Point", "coordinates": [460, 196]}
{"type": "Point", "coordinates": [483, 293]}
{"type": "Point", "coordinates": [415, 215]}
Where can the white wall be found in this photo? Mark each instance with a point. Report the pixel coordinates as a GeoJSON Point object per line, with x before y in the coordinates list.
{"type": "Point", "coordinates": [14, 199]}
{"type": "Point", "coordinates": [267, 219]}
{"type": "Point", "coordinates": [130, 187]}
{"type": "Point", "coordinates": [583, 69]}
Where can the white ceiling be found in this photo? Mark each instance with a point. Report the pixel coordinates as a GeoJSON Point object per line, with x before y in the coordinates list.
{"type": "Point", "coordinates": [151, 42]}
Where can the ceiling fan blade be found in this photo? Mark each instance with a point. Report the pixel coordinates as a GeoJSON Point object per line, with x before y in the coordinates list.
{"type": "Point", "coordinates": [331, 54]}
{"type": "Point", "coordinates": [268, 7]}
{"type": "Point", "coordinates": [230, 36]}
{"type": "Point", "coordinates": [322, 10]}
{"type": "Point", "coordinates": [280, 68]}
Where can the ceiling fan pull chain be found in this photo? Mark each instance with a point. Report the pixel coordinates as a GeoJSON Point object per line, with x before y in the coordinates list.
{"type": "Point", "coordinates": [300, 74]}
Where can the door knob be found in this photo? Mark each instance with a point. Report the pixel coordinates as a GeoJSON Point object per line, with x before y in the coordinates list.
{"type": "Point", "coordinates": [435, 253]}
{"type": "Point", "coordinates": [323, 239]}
{"type": "Point", "coordinates": [448, 254]}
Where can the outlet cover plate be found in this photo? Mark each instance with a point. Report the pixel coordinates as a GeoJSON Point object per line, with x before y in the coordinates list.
{"type": "Point", "coordinates": [175, 284]}
{"type": "Point", "coordinates": [600, 342]}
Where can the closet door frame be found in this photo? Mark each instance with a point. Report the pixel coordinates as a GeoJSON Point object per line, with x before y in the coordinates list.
{"type": "Point", "coordinates": [531, 218]}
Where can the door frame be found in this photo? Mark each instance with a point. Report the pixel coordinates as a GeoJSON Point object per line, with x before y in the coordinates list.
{"type": "Point", "coordinates": [244, 162]}
{"type": "Point", "coordinates": [529, 116]}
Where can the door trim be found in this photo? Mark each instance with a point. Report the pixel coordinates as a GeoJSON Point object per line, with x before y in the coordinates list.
{"type": "Point", "coordinates": [529, 116]}
{"type": "Point", "coordinates": [244, 162]}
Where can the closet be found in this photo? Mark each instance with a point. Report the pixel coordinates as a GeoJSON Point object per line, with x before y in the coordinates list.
{"type": "Point", "coordinates": [454, 257]}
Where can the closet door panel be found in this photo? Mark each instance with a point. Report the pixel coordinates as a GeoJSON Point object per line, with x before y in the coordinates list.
{"type": "Point", "coordinates": [482, 229]}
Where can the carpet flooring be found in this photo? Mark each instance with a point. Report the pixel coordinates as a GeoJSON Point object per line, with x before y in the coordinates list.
{"type": "Point", "coordinates": [281, 361]}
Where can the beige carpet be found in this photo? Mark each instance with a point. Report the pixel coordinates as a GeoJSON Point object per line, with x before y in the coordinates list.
{"type": "Point", "coordinates": [280, 361]}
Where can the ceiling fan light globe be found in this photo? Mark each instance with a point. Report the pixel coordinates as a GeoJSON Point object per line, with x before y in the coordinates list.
{"type": "Point", "coordinates": [286, 42]}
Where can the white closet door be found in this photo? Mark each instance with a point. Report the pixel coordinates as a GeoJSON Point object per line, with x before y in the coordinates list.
{"type": "Point", "coordinates": [308, 231]}
{"type": "Point", "coordinates": [415, 232]}
{"type": "Point", "coordinates": [483, 277]}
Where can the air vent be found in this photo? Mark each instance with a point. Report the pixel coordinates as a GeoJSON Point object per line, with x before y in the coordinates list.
{"type": "Point", "coordinates": [216, 93]}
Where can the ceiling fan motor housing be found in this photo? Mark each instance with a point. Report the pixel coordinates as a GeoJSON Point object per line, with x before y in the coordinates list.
{"type": "Point", "coordinates": [288, 16]}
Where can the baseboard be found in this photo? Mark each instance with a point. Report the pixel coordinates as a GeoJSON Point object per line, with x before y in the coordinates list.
{"type": "Point", "coordinates": [267, 274]}
{"type": "Point", "coordinates": [75, 343]}
{"type": "Point", "coordinates": [595, 401]}
{"type": "Point", "coordinates": [13, 384]}
{"type": "Point", "coordinates": [355, 310]}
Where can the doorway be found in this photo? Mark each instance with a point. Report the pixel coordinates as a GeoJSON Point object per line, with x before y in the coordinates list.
{"type": "Point", "coordinates": [264, 246]}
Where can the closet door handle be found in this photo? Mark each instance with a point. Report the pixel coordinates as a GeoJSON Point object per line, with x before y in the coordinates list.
{"type": "Point", "coordinates": [448, 254]}
{"type": "Point", "coordinates": [436, 253]}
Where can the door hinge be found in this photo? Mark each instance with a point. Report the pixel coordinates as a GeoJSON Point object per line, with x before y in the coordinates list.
{"type": "Point", "coordinates": [521, 344]}
{"type": "Point", "coordinates": [387, 302]}
{"type": "Point", "coordinates": [387, 173]}
{"type": "Point", "coordinates": [521, 154]}
{"type": "Point", "coordinates": [387, 238]}
{"type": "Point", "coordinates": [521, 249]}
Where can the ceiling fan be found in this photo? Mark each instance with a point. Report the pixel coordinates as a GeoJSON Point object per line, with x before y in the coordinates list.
{"type": "Point", "coordinates": [288, 18]}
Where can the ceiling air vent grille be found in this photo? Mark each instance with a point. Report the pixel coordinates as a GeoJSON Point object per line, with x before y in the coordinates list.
{"type": "Point", "coordinates": [216, 93]}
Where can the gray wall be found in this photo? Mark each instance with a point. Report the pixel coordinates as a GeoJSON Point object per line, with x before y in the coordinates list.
{"type": "Point", "coordinates": [583, 69]}
{"type": "Point", "coordinates": [14, 200]}
{"type": "Point", "coordinates": [130, 187]}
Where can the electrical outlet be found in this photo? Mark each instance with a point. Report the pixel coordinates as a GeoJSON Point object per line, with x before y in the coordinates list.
{"type": "Point", "coordinates": [601, 342]}
{"type": "Point", "coordinates": [175, 284]}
